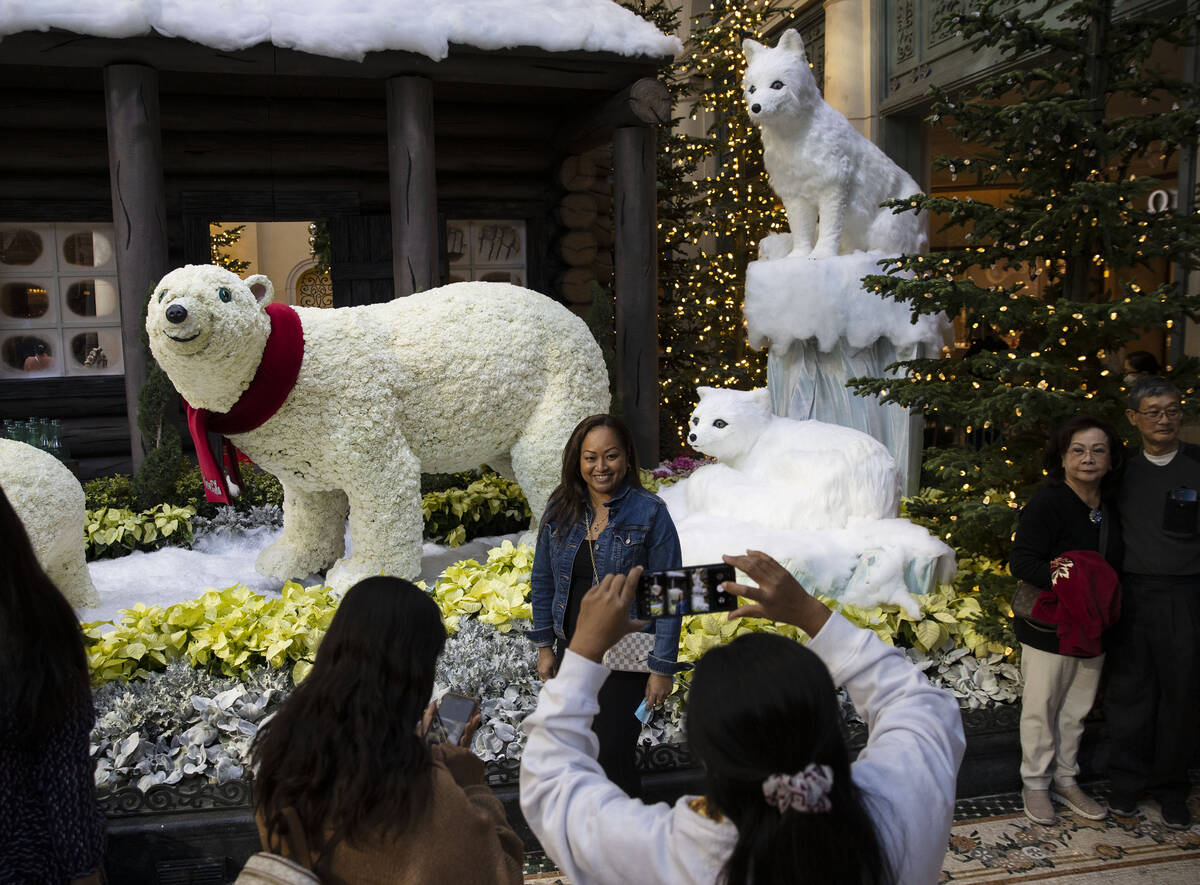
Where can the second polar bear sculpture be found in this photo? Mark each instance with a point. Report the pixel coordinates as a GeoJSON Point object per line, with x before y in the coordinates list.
{"type": "Point", "coordinates": [829, 176]}
{"type": "Point", "coordinates": [348, 406]}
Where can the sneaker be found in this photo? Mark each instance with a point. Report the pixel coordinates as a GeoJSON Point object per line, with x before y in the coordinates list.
{"type": "Point", "coordinates": [1079, 802]}
{"type": "Point", "coordinates": [1123, 805]}
{"type": "Point", "coordinates": [1038, 807]}
{"type": "Point", "coordinates": [1175, 814]}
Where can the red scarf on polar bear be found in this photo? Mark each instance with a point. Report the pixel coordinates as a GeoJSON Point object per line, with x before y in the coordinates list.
{"type": "Point", "coordinates": [268, 390]}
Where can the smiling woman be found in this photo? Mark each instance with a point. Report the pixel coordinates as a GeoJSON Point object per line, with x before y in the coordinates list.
{"type": "Point", "coordinates": [600, 521]}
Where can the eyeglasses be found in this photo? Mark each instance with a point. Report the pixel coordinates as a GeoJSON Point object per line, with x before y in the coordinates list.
{"type": "Point", "coordinates": [1171, 412]}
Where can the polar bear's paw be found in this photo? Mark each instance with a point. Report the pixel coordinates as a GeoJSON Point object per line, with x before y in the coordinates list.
{"type": "Point", "coordinates": [772, 246]}
{"type": "Point", "coordinates": [354, 568]}
{"type": "Point", "coordinates": [287, 561]}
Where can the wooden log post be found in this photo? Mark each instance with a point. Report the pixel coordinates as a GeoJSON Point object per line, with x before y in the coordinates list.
{"type": "Point", "coordinates": [636, 275]}
{"type": "Point", "coordinates": [412, 184]}
{"type": "Point", "coordinates": [139, 213]}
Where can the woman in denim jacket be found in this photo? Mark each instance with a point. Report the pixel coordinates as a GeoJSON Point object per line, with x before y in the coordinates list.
{"type": "Point", "coordinates": [601, 521]}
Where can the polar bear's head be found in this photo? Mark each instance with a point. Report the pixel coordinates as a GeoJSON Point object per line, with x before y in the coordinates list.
{"type": "Point", "coordinates": [207, 330]}
{"type": "Point", "coordinates": [727, 423]}
{"type": "Point", "coordinates": [778, 82]}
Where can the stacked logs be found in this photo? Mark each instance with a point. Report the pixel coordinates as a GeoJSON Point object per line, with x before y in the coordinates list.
{"type": "Point", "coordinates": [585, 214]}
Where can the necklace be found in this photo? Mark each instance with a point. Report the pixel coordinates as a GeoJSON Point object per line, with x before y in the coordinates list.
{"type": "Point", "coordinates": [1096, 516]}
{"type": "Point", "coordinates": [595, 528]}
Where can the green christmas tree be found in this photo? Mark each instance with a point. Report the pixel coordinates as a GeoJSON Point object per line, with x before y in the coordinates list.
{"type": "Point", "coordinates": [1075, 133]}
{"type": "Point", "coordinates": [219, 241]}
{"type": "Point", "coordinates": [714, 206]}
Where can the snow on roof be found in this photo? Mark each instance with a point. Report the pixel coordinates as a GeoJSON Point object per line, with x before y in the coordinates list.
{"type": "Point", "coordinates": [351, 28]}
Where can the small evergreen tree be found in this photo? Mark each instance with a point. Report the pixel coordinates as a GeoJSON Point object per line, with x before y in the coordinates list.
{"type": "Point", "coordinates": [219, 241]}
{"type": "Point", "coordinates": [1069, 132]}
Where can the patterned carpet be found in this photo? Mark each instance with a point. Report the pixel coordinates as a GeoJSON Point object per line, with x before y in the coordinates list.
{"type": "Point", "coordinates": [993, 842]}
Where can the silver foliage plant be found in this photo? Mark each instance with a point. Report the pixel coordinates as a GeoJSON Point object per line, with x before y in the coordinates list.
{"type": "Point", "coordinates": [178, 723]}
{"type": "Point", "coordinates": [184, 722]}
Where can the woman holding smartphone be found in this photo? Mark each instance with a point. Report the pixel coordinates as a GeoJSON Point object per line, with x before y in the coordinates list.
{"type": "Point", "coordinates": [782, 804]}
{"type": "Point", "coordinates": [600, 520]}
{"type": "Point", "coordinates": [346, 783]}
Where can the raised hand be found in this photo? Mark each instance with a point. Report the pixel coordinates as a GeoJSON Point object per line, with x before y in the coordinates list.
{"type": "Point", "coordinates": [778, 595]}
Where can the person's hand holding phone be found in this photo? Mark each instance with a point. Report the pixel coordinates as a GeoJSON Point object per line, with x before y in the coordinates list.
{"type": "Point", "coordinates": [778, 595]}
{"type": "Point", "coordinates": [604, 615]}
{"type": "Point", "coordinates": [464, 766]}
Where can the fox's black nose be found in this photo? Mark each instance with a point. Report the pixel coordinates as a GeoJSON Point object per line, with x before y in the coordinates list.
{"type": "Point", "coordinates": [755, 108]}
{"type": "Point", "coordinates": [691, 437]}
{"type": "Point", "coordinates": [176, 313]}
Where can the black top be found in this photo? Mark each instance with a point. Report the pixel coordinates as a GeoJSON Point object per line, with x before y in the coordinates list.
{"type": "Point", "coordinates": [1054, 521]}
{"type": "Point", "coordinates": [582, 579]}
{"type": "Point", "coordinates": [51, 826]}
{"type": "Point", "coordinates": [1160, 535]}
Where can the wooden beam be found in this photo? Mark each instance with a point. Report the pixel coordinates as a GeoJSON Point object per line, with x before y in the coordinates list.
{"type": "Point", "coordinates": [636, 275]}
{"type": "Point", "coordinates": [412, 179]}
{"type": "Point", "coordinates": [139, 208]}
{"type": "Point", "coordinates": [644, 102]}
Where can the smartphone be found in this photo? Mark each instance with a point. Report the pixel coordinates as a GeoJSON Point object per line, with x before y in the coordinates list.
{"type": "Point", "coordinates": [693, 590]}
{"type": "Point", "coordinates": [453, 714]}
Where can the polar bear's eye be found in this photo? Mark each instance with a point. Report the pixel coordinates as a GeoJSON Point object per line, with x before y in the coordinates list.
{"type": "Point", "coordinates": [778, 84]}
{"type": "Point", "coordinates": [751, 90]}
{"type": "Point", "coordinates": [224, 294]}
{"type": "Point", "coordinates": [720, 422]}
{"type": "Point", "coordinates": [162, 295]}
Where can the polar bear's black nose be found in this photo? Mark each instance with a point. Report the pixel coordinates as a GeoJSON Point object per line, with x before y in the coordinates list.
{"type": "Point", "coordinates": [176, 313]}
{"type": "Point", "coordinates": [691, 437]}
{"type": "Point", "coordinates": [755, 108]}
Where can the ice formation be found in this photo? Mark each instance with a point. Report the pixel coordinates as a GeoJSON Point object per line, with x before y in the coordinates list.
{"type": "Point", "coordinates": [49, 500]}
{"type": "Point", "coordinates": [441, 381]}
{"type": "Point", "coordinates": [350, 29]}
{"type": "Point", "coordinates": [821, 499]}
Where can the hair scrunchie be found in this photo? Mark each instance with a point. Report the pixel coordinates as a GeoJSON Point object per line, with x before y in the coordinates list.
{"type": "Point", "coordinates": [806, 791]}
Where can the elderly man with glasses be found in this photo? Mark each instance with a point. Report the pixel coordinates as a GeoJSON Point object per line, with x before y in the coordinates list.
{"type": "Point", "coordinates": [1154, 658]}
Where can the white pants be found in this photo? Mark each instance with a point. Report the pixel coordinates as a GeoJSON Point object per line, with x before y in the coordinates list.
{"type": "Point", "coordinates": [1058, 693]}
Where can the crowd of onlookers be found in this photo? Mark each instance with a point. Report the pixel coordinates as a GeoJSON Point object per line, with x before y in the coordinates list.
{"type": "Point", "coordinates": [352, 784]}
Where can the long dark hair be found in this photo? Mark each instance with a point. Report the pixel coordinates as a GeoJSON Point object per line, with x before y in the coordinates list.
{"type": "Point", "coordinates": [43, 666]}
{"type": "Point", "coordinates": [568, 502]}
{"type": "Point", "coordinates": [1060, 442]}
{"type": "Point", "coordinates": [765, 705]}
{"type": "Point", "coordinates": [342, 751]}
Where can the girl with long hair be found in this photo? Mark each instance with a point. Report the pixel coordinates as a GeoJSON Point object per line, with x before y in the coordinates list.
{"type": "Point", "coordinates": [599, 520]}
{"type": "Point", "coordinates": [347, 785]}
{"type": "Point", "coordinates": [51, 827]}
{"type": "Point", "coordinates": [782, 802]}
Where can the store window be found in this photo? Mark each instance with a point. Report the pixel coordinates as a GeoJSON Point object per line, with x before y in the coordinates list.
{"type": "Point", "coordinates": [490, 250]}
{"type": "Point", "coordinates": [60, 309]}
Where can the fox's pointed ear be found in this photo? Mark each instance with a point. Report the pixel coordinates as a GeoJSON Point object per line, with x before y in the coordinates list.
{"type": "Point", "coordinates": [705, 391]}
{"type": "Point", "coordinates": [791, 41]}
{"type": "Point", "coordinates": [750, 47]}
{"type": "Point", "coordinates": [762, 397]}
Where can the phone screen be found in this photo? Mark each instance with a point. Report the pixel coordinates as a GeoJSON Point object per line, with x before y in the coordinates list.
{"type": "Point", "coordinates": [693, 590]}
{"type": "Point", "coordinates": [455, 711]}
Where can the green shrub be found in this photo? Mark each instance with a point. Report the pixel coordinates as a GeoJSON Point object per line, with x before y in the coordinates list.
{"type": "Point", "coordinates": [490, 505]}
{"type": "Point", "coordinates": [116, 531]}
{"type": "Point", "coordinates": [108, 491]}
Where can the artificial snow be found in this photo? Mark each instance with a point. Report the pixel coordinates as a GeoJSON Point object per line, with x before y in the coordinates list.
{"type": "Point", "coordinates": [223, 559]}
{"type": "Point", "coordinates": [795, 299]}
{"type": "Point", "coordinates": [349, 29]}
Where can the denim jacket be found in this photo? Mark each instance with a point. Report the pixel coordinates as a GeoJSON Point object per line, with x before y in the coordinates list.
{"type": "Point", "coordinates": [639, 532]}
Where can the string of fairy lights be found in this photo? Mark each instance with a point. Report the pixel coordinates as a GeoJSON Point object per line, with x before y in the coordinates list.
{"type": "Point", "coordinates": [718, 205]}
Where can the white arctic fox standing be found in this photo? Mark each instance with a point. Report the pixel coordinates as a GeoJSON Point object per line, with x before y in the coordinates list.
{"type": "Point", "coordinates": [440, 381]}
{"type": "Point", "coordinates": [830, 178]}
